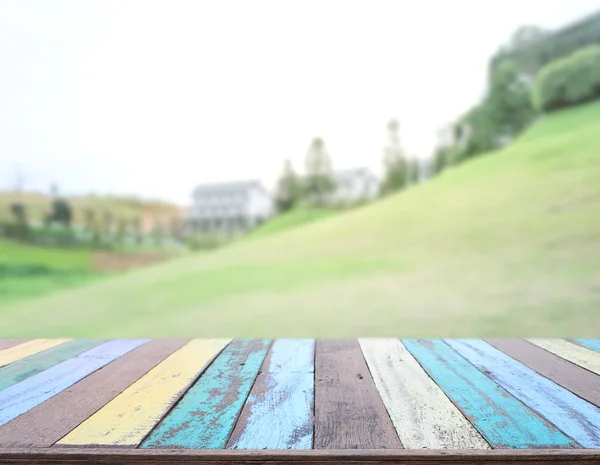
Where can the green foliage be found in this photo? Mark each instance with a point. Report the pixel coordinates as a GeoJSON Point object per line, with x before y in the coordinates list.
{"type": "Point", "coordinates": [532, 51]}
{"type": "Point", "coordinates": [61, 213]}
{"type": "Point", "coordinates": [503, 114]}
{"type": "Point", "coordinates": [394, 161]}
{"type": "Point", "coordinates": [569, 81]}
{"type": "Point", "coordinates": [288, 188]}
{"type": "Point", "coordinates": [318, 182]}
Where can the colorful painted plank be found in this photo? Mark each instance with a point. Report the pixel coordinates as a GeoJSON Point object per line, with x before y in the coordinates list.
{"type": "Point", "coordinates": [500, 418]}
{"type": "Point", "coordinates": [17, 352]}
{"type": "Point", "coordinates": [278, 412]}
{"type": "Point", "coordinates": [574, 416]}
{"type": "Point", "coordinates": [45, 424]}
{"type": "Point", "coordinates": [34, 364]}
{"type": "Point", "coordinates": [27, 394]}
{"type": "Point", "coordinates": [570, 376]}
{"type": "Point", "coordinates": [6, 343]}
{"type": "Point", "coordinates": [129, 417]}
{"type": "Point", "coordinates": [349, 414]}
{"type": "Point", "coordinates": [574, 353]}
{"type": "Point", "coordinates": [206, 415]}
{"type": "Point", "coordinates": [592, 344]}
{"type": "Point", "coordinates": [421, 413]}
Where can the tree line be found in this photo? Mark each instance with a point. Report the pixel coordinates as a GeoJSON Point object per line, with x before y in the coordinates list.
{"type": "Point", "coordinates": [316, 185]}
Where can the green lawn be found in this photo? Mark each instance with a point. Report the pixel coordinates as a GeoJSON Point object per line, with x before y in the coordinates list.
{"type": "Point", "coordinates": [28, 271]}
{"type": "Point", "coordinates": [505, 245]}
{"type": "Point", "coordinates": [290, 220]}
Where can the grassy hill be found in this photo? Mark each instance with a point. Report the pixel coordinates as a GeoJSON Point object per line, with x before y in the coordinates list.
{"type": "Point", "coordinates": [507, 244]}
{"type": "Point", "coordinates": [290, 220]}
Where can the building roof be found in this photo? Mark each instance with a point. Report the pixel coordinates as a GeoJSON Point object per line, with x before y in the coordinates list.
{"type": "Point", "coordinates": [229, 186]}
{"type": "Point", "coordinates": [351, 173]}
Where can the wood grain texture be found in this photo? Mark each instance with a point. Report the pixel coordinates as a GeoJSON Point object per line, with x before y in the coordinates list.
{"type": "Point", "coordinates": [502, 420]}
{"type": "Point", "coordinates": [574, 416]}
{"type": "Point", "coordinates": [45, 424]}
{"type": "Point", "coordinates": [586, 358]}
{"type": "Point", "coordinates": [27, 394]}
{"type": "Point", "coordinates": [278, 412]}
{"type": "Point", "coordinates": [6, 343]}
{"type": "Point", "coordinates": [592, 344]}
{"type": "Point", "coordinates": [17, 352]}
{"type": "Point", "coordinates": [421, 413]}
{"type": "Point", "coordinates": [298, 457]}
{"type": "Point", "coordinates": [572, 377]}
{"type": "Point", "coordinates": [130, 416]}
{"type": "Point", "coordinates": [206, 415]}
{"type": "Point", "coordinates": [349, 413]}
{"type": "Point", "coordinates": [34, 364]}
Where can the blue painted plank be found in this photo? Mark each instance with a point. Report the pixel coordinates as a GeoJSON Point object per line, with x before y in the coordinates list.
{"type": "Point", "coordinates": [34, 364]}
{"type": "Point", "coordinates": [23, 396]}
{"type": "Point", "coordinates": [500, 418]}
{"type": "Point", "coordinates": [592, 344]}
{"type": "Point", "coordinates": [206, 415]}
{"type": "Point", "coordinates": [278, 412]}
{"type": "Point", "coordinates": [574, 416]}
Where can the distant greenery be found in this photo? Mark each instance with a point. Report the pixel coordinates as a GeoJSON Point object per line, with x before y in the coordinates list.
{"type": "Point", "coordinates": [512, 103]}
{"type": "Point", "coordinates": [504, 245]}
{"type": "Point", "coordinates": [541, 47]}
{"type": "Point", "coordinates": [569, 81]}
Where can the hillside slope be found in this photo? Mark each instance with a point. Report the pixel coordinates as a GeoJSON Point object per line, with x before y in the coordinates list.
{"type": "Point", "coordinates": [507, 244]}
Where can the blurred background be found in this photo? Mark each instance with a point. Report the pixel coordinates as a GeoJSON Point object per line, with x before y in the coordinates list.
{"type": "Point", "coordinates": [299, 168]}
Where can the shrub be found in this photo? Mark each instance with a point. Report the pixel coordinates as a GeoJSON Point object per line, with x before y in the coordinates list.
{"type": "Point", "coordinates": [569, 81]}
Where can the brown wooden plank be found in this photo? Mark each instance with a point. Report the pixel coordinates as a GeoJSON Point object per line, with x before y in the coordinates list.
{"type": "Point", "coordinates": [349, 413]}
{"type": "Point", "coordinates": [570, 376]}
{"type": "Point", "coordinates": [58, 456]}
{"type": "Point", "coordinates": [8, 343]}
{"type": "Point", "coordinates": [45, 424]}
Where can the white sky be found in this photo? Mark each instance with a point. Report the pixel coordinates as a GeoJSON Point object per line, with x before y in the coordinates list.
{"type": "Point", "coordinates": [153, 97]}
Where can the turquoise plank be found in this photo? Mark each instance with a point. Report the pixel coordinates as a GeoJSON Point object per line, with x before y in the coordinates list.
{"type": "Point", "coordinates": [576, 417]}
{"type": "Point", "coordinates": [34, 364]}
{"type": "Point", "coordinates": [206, 415]}
{"type": "Point", "coordinates": [29, 393]}
{"type": "Point", "coordinates": [592, 344]}
{"type": "Point", "coordinates": [279, 410]}
{"type": "Point", "coordinates": [500, 418]}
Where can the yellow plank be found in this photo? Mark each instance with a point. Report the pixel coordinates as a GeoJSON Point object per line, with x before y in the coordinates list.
{"type": "Point", "coordinates": [581, 356]}
{"type": "Point", "coordinates": [128, 418]}
{"type": "Point", "coordinates": [12, 354]}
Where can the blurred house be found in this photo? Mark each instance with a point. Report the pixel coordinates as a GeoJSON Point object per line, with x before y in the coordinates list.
{"type": "Point", "coordinates": [353, 186]}
{"type": "Point", "coordinates": [229, 207]}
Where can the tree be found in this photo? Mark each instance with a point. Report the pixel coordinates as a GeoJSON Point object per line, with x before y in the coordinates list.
{"type": "Point", "coordinates": [508, 102]}
{"type": "Point", "coordinates": [288, 188]}
{"type": "Point", "coordinates": [89, 219]}
{"type": "Point", "coordinates": [413, 171]}
{"type": "Point", "coordinates": [319, 181]}
{"type": "Point", "coordinates": [19, 211]}
{"type": "Point", "coordinates": [136, 225]}
{"type": "Point", "coordinates": [107, 221]}
{"type": "Point", "coordinates": [121, 229]}
{"type": "Point", "coordinates": [394, 161]}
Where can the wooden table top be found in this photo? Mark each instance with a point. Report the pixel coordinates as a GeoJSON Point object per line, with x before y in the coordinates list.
{"type": "Point", "coordinates": [303, 400]}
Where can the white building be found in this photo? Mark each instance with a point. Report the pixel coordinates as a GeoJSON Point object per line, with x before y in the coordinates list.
{"type": "Point", "coordinates": [352, 186]}
{"type": "Point", "coordinates": [229, 207]}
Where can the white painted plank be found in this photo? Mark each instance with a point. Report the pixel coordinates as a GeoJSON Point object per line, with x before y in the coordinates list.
{"type": "Point", "coordinates": [421, 413]}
